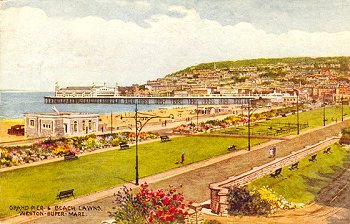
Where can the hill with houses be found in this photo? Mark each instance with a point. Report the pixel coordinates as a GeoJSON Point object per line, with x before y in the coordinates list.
{"type": "Point", "coordinates": [312, 78]}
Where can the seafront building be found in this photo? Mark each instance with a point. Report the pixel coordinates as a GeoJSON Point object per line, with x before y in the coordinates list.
{"type": "Point", "coordinates": [59, 124]}
{"type": "Point", "coordinates": [86, 91]}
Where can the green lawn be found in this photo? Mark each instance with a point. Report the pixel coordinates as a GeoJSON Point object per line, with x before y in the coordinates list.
{"type": "Point", "coordinates": [313, 118]}
{"type": "Point", "coordinates": [303, 184]}
{"type": "Point", "coordinates": [39, 185]}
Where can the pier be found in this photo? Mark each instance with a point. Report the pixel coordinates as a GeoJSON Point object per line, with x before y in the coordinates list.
{"type": "Point", "coordinates": [206, 100]}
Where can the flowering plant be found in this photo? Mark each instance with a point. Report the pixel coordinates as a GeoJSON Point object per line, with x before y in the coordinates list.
{"type": "Point", "coordinates": [148, 206]}
{"type": "Point", "coordinates": [64, 150]}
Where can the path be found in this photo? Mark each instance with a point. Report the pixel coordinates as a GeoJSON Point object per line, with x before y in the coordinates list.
{"type": "Point", "coordinates": [195, 178]}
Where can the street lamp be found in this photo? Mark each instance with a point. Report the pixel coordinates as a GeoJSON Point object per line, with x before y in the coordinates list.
{"type": "Point", "coordinates": [141, 119]}
{"type": "Point", "coordinates": [250, 112]}
{"type": "Point", "coordinates": [342, 109]}
{"type": "Point", "coordinates": [298, 126]}
{"type": "Point", "coordinates": [324, 111]}
{"type": "Point", "coordinates": [249, 105]}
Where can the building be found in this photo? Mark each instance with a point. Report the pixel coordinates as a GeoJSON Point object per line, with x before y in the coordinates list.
{"type": "Point", "coordinates": [87, 91]}
{"type": "Point", "coordinates": [60, 124]}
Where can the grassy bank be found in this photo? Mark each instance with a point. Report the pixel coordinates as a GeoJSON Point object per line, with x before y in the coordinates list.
{"type": "Point", "coordinates": [313, 118]}
{"type": "Point", "coordinates": [39, 185]}
{"type": "Point", "coordinates": [303, 184]}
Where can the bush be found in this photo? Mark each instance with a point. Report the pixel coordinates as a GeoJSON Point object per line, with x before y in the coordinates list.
{"type": "Point", "coordinates": [242, 202]}
{"type": "Point", "coordinates": [148, 206]}
{"type": "Point", "coordinates": [345, 138]}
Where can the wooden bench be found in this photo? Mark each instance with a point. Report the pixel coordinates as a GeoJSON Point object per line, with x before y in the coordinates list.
{"type": "Point", "coordinates": [276, 173]}
{"type": "Point", "coordinates": [65, 194]}
{"type": "Point", "coordinates": [123, 146]}
{"type": "Point", "coordinates": [327, 150]}
{"type": "Point", "coordinates": [231, 148]}
{"type": "Point", "coordinates": [294, 166]}
{"type": "Point", "coordinates": [313, 158]}
{"type": "Point", "coordinates": [164, 138]}
{"type": "Point", "coordinates": [70, 157]}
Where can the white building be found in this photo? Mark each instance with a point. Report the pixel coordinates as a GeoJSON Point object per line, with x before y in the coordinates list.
{"type": "Point", "coordinates": [86, 91]}
{"type": "Point", "coordinates": [60, 124]}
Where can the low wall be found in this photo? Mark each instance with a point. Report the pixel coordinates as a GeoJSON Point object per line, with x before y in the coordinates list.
{"type": "Point", "coordinates": [219, 191]}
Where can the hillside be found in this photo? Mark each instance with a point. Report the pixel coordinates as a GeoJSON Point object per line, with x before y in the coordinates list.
{"type": "Point", "coordinates": [343, 61]}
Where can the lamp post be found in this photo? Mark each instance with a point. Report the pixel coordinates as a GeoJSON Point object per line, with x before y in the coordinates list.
{"type": "Point", "coordinates": [250, 112]}
{"type": "Point", "coordinates": [141, 119]}
{"type": "Point", "coordinates": [249, 104]}
{"type": "Point", "coordinates": [342, 109]}
{"type": "Point", "coordinates": [298, 126]}
{"type": "Point", "coordinates": [324, 111]}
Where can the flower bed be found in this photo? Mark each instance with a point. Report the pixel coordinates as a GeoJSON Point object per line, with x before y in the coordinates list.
{"type": "Point", "coordinates": [54, 148]}
{"type": "Point", "coordinates": [230, 121]}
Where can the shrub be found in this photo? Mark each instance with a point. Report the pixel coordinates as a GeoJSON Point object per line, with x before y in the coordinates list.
{"type": "Point", "coordinates": [148, 206]}
{"type": "Point", "coordinates": [345, 138]}
{"type": "Point", "coordinates": [242, 202]}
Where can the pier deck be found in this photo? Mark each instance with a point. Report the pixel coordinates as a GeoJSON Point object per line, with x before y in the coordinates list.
{"type": "Point", "coordinates": [219, 100]}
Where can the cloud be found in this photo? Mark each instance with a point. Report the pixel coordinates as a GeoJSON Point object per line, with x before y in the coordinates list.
{"type": "Point", "coordinates": [38, 50]}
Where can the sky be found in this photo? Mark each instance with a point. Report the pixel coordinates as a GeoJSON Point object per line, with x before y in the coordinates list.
{"type": "Point", "coordinates": [80, 42]}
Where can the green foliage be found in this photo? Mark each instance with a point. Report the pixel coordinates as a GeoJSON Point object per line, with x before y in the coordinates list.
{"type": "Point", "coordinates": [115, 141]}
{"type": "Point", "coordinates": [40, 184]}
{"type": "Point", "coordinates": [128, 210]}
{"type": "Point", "coordinates": [265, 61]}
{"type": "Point", "coordinates": [148, 206]}
{"type": "Point", "coordinates": [243, 202]}
{"type": "Point", "coordinates": [303, 184]}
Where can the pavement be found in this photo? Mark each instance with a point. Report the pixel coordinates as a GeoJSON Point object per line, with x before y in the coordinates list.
{"type": "Point", "coordinates": [192, 180]}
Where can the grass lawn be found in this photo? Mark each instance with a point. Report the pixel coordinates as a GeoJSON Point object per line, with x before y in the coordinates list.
{"type": "Point", "coordinates": [303, 184]}
{"type": "Point", "coordinates": [313, 118]}
{"type": "Point", "coordinates": [39, 185]}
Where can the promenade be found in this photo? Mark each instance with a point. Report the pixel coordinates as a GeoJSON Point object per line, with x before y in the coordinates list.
{"type": "Point", "coordinates": [194, 178]}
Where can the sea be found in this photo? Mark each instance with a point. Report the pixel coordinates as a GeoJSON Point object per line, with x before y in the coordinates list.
{"type": "Point", "coordinates": [13, 104]}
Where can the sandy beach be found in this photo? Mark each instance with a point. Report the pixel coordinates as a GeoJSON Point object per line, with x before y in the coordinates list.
{"type": "Point", "coordinates": [6, 124]}
{"type": "Point", "coordinates": [121, 122]}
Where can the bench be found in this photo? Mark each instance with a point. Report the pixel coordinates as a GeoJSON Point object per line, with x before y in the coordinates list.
{"type": "Point", "coordinates": [313, 158]}
{"type": "Point", "coordinates": [123, 146]}
{"type": "Point", "coordinates": [294, 166]}
{"type": "Point", "coordinates": [276, 173]}
{"type": "Point", "coordinates": [70, 157]}
{"type": "Point", "coordinates": [65, 194]}
{"type": "Point", "coordinates": [164, 138]}
{"type": "Point", "coordinates": [327, 150]}
{"type": "Point", "coordinates": [231, 148]}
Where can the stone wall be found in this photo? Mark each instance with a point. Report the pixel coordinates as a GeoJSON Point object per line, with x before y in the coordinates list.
{"type": "Point", "coordinates": [219, 190]}
{"type": "Point", "coordinates": [195, 215]}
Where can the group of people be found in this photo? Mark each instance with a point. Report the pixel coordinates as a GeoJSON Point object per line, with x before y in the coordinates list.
{"type": "Point", "coordinates": [272, 152]}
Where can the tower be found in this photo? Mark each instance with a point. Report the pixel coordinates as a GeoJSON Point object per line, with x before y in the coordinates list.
{"type": "Point", "coordinates": [116, 89]}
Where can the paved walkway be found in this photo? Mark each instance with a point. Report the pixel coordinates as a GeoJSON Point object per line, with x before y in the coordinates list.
{"type": "Point", "coordinates": [193, 178]}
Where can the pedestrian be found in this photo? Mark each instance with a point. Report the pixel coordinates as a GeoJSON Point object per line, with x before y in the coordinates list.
{"type": "Point", "coordinates": [165, 123]}
{"type": "Point", "coordinates": [274, 151]}
{"type": "Point", "coordinates": [270, 152]}
{"type": "Point", "coordinates": [182, 158]}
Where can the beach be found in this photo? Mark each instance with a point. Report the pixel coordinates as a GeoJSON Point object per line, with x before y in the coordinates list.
{"type": "Point", "coordinates": [163, 118]}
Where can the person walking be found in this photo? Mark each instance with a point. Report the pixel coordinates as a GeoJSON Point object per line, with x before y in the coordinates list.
{"type": "Point", "coordinates": [182, 158]}
{"type": "Point", "coordinates": [274, 151]}
{"type": "Point", "coordinates": [271, 153]}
